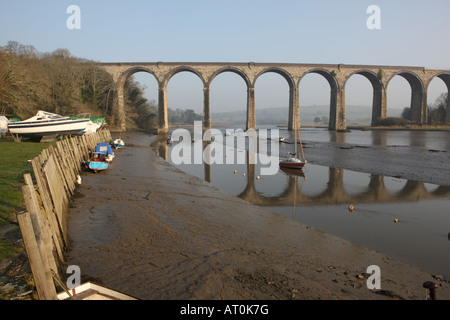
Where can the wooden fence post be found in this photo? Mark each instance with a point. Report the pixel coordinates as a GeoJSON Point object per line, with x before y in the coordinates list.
{"type": "Point", "coordinates": [50, 214]}
{"type": "Point", "coordinates": [40, 225]}
{"type": "Point", "coordinates": [42, 276]}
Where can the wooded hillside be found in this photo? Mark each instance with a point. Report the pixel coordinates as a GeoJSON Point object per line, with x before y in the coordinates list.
{"type": "Point", "coordinates": [61, 83]}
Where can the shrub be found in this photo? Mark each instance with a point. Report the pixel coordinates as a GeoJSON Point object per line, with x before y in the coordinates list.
{"type": "Point", "coordinates": [392, 121]}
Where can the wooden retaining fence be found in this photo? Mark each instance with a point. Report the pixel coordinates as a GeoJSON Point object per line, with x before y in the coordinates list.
{"type": "Point", "coordinates": [44, 224]}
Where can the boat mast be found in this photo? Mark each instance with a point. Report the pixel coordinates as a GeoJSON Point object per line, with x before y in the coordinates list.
{"type": "Point", "coordinates": [301, 145]}
{"type": "Point", "coordinates": [295, 140]}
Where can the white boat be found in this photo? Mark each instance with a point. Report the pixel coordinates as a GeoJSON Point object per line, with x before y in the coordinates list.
{"type": "Point", "coordinates": [118, 143]}
{"type": "Point", "coordinates": [92, 128]}
{"type": "Point", "coordinates": [3, 125]}
{"type": "Point", "coordinates": [47, 123]}
{"type": "Point", "coordinates": [292, 161]}
{"type": "Point", "coordinates": [93, 291]}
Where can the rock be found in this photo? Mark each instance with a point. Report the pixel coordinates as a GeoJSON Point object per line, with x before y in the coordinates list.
{"type": "Point", "coordinates": [439, 277]}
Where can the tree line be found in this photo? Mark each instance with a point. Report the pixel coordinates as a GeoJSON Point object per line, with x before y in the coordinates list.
{"type": "Point", "coordinates": [437, 111]}
{"type": "Point", "coordinates": [60, 83]}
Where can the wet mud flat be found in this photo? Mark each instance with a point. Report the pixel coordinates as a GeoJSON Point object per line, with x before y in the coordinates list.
{"type": "Point", "coordinates": [406, 162]}
{"type": "Point", "coordinates": [147, 229]}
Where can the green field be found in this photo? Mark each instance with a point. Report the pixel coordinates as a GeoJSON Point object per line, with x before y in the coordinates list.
{"type": "Point", "coordinates": [14, 158]}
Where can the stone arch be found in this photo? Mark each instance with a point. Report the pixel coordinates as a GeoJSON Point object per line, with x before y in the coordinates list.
{"type": "Point", "coordinates": [163, 121]}
{"type": "Point", "coordinates": [237, 71]}
{"type": "Point", "coordinates": [119, 108]}
{"type": "Point", "coordinates": [328, 75]}
{"type": "Point", "coordinates": [445, 77]}
{"type": "Point", "coordinates": [294, 108]}
{"type": "Point", "coordinates": [175, 71]}
{"type": "Point", "coordinates": [99, 67]}
{"type": "Point", "coordinates": [206, 101]}
{"type": "Point", "coordinates": [129, 72]}
{"type": "Point", "coordinates": [419, 112]}
{"type": "Point", "coordinates": [337, 98]}
{"type": "Point", "coordinates": [379, 94]}
{"type": "Point", "coordinates": [250, 97]}
{"type": "Point", "coordinates": [286, 75]}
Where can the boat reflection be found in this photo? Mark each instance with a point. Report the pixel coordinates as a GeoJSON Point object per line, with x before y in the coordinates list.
{"type": "Point", "coordinates": [284, 191]}
{"type": "Point", "coordinates": [293, 172]}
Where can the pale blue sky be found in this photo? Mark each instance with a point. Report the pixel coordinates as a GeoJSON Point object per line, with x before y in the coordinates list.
{"type": "Point", "coordinates": [412, 33]}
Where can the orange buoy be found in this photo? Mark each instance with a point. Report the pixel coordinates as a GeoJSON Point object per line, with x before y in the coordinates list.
{"type": "Point", "coordinates": [351, 208]}
{"type": "Point", "coordinates": [235, 171]}
{"type": "Point", "coordinates": [395, 220]}
{"type": "Point", "coordinates": [257, 178]}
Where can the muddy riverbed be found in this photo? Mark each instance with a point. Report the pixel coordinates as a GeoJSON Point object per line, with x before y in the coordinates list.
{"type": "Point", "coordinates": [145, 228]}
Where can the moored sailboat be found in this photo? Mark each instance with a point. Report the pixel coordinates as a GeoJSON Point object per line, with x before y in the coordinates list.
{"type": "Point", "coordinates": [292, 161]}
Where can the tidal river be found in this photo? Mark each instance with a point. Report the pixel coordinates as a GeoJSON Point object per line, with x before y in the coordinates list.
{"type": "Point", "coordinates": [398, 183]}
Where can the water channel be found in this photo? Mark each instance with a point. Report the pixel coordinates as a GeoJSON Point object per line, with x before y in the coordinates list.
{"type": "Point", "coordinates": [406, 219]}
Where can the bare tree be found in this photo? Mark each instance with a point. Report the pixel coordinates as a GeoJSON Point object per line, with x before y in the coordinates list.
{"type": "Point", "coordinates": [438, 110]}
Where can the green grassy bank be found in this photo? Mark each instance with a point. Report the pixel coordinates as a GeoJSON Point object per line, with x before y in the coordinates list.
{"type": "Point", "coordinates": [13, 165]}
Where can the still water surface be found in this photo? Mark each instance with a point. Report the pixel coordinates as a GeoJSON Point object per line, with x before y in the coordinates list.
{"type": "Point", "coordinates": [320, 198]}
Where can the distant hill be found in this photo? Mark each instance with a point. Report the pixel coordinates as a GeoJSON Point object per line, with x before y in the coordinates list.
{"type": "Point", "coordinates": [279, 116]}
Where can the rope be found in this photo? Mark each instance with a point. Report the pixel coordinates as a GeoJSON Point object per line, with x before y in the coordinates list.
{"type": "Point", "coordinates": [301, 145]}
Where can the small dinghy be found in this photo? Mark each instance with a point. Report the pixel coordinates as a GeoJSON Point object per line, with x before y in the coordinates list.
{"type": "Point", "coordinates": [98, 161]}
{"type": "Point", "coordinates": [118, 143]}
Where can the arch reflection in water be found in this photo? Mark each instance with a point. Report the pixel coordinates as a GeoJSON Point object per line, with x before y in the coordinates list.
{"type": "Point", "coordinates": [358, 188]}
{"type": "Point", "coordinates": [321, 196]}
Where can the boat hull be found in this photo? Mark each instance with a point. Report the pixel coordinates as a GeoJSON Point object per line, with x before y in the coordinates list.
{"type": "Point", "coordinates": [48, 128]}
{"type": "Point", "coordinates": [98, 165]}
{"type": "Point", "coordinates": [292, 164]}
{"type": "Point", "coordinates": [98, 161]}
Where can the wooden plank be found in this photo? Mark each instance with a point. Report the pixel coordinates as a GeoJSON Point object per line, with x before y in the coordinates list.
{"type": "Point", "coordinates": [57, 192]}
{"type": "Point", "coordinates": [50, 215]}
{"type": "Point", "coordinates": [42, 276]}
{"type": "Point", "coordinates": [69, 154]}
{"type": "Point", "coordinates": [64, 176]}
{"type": "Point", "coordinates": [40, 225]}
{"type": "Point", "coordinates": [78, 156]}
{"type": "Point", "coordinates": [84, 147]}
{"type": "Point", "coordinates": [66, 168]}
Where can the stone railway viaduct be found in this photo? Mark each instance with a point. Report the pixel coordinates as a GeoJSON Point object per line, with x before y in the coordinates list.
{"type": "Point", "coordinates": [337, 76]}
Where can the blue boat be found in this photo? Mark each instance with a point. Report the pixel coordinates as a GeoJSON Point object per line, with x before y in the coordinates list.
{"type": "Point", "coordinates": [98, 161]}
{"type": "Point", "coordinates": [105, 148]}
